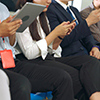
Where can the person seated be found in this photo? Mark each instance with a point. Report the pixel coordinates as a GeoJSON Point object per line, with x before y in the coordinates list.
{"type": "Point", "coordinates": [80, 41]}
{"type": "Point", "coordinates": [38, 45]}
{"type": "Point", "coordinates": [95, 28]}
{"type": "Point", "coordinates": [42, 78]}
{"type": "Point", "coordinates": [13, 86]}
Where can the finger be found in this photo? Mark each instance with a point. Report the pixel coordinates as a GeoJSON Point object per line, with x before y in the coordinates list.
{"type": "Point", "coordinates": [96, 57]}
{"type": "Point", "coordinates": [68, 22]}
{"type": "Point", "coordinates": [12, 32]}
{"type": "Point", "coordinates": [8, 19]}
{"type": "Point", "coordinates": [73, 23]}
{"type": "Point", "coordinates": [68, 31]}
{"type": "Point", "coordinates": [16, 27]}
{"type": "Point", "coordinates": [15, 24]}
{"type": "Point", "coordinates": [99, 57]}
{"type": "Point", "coordinates": [13, 29]}
{"type": "Point", "coordinates": [73, 26]}
{"type": "Point", "coordinates": [13, 16]}
{"type": "Point", "coordinates": [65, 23]}
{"type": "Point", "coordinates": [90, 53]}
{"type": "Point", "coordinates": [68, 26]}
{"type": "Point", "coordinates": [18, 21]}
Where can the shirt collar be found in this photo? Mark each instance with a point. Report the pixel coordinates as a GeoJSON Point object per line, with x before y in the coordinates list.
{"type": "Point", "coordinates": [62, 4]}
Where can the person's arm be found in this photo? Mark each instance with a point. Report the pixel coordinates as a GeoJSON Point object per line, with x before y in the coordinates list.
{"type": "Point", "coordinates": [61, 30]}
{"type": "Point", "coordinates": [93, 17]}
{"type": "Point", "coordinates": [8, 28]}
{"type": "Point", "coordinates": [80, 31]}
{"type": "Point", "coordinates": [30, 48]}
{"type": "Point", "coordinates": [95, 32]}
{"type": "Point", "coordinates": [33, 49]}
{"type": "Point", "coordinates": [12, 39]}
{"type": "Point", "coordinates": [59, 39]}
{"type": "Point", "coordinates": [95, 52]}
{"type": "Point", "coordinates": [95, 29]}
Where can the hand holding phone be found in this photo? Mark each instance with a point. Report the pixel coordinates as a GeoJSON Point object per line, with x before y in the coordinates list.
{"type": "Point", "coordinates": [73, 20]}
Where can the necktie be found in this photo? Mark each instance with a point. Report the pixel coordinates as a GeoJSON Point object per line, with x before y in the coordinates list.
{"type": "Point", "coordinates": [68, 10]}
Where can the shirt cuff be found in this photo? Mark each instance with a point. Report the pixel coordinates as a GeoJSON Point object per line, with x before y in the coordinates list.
{"type": "Point", "coordinates": [57, 52]}
{"type": "Point", "coordinates": [42, 44]}
{"type": "Point", "coordinates": [97, 47]}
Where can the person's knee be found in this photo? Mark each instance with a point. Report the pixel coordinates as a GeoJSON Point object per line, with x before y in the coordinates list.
{"type": "Point", "coordinates": [24, 85]}
{"type": "Point", "coordinates": [64, 77]}
{"type": "Point", "coordinates": [91, 64]}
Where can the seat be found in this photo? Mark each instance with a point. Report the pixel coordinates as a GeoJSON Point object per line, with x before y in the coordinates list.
{"type": "Point", "coordinates": [41, 96]}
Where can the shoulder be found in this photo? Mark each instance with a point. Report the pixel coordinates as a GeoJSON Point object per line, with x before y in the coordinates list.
{"type": "Point", "coordinates": [52, 5]}
{"type": "Point", "coordinates": [51, 8]}
{"type": "Point", "coordinates": [3, 7]}
{"type": "Point", "coordinates": [4, 12]}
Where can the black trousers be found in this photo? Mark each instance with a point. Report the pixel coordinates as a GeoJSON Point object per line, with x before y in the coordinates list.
{"type": "Point", "coordinates": [20, 87]}
{"type": "Point", "coordinates": [84, 71]}
{"type": "Point", "coordinates": [45, 78]}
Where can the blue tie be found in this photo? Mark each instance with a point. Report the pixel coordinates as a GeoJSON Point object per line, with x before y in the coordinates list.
{"type": "Point", "coordinates": [68, 10]}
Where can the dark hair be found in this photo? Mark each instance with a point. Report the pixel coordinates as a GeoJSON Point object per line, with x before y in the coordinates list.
{"type": "Point", "coordinates": [20, 3]}
{"type": "Point", "coordinates": [33, 27]}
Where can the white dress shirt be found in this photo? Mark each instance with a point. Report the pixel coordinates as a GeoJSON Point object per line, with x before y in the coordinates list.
{"type": "Point", "coordinates": [65, 7]}
{"type": "Point", "coordinates": [33, 49]}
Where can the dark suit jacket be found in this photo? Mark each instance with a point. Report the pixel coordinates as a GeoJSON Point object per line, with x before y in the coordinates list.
{"type": "Point", "coordinates": [79, 37]}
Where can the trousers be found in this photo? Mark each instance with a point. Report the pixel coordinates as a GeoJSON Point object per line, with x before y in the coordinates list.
{"type": "Point", "coordinates": [19, 86]}
{"type": "Point", "coordinates": [84, 71]}
{"type": "Point", "coordinates": [42, 79]}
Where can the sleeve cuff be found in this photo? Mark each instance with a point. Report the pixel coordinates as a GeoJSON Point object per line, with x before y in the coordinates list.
{"type": "Point", "coordinates": [42, 44]}
{"type": "Point", "coordinates": [97, 47]}
{"type": "Point", "coordinates": [57, 52]}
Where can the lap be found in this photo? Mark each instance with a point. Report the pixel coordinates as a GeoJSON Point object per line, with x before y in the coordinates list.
{"type": "Point", "coordinates": [50, 67]}
{"type": "Point", "coordinates": [78, 62]}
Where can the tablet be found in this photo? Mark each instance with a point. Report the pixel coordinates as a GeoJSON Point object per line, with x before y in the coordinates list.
{"type": "Point", "coordinates": [28, 13]}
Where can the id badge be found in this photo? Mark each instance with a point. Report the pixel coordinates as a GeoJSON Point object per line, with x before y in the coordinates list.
{"type": "Point", "coordinates": [7, 59]}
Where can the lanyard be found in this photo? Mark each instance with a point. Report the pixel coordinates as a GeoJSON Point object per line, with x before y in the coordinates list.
{"type": "Point", "coordinates": [4, 42]}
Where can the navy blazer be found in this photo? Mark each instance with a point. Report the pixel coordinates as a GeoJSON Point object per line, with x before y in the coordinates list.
{"type": "Point", "coordinates": [80, 41]}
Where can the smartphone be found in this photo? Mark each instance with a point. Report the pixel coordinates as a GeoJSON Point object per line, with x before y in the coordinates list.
{"type": "Point", "coordinates": [73, 21]}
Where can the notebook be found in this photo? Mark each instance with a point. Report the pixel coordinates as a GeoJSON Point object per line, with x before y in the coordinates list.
{"type": "Point", "coordinates": [28, 13]}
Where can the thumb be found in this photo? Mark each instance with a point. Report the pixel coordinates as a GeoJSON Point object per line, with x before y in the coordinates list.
{"type": "Point", "coordinates": [0, 21]}
{"type": "Point", "coordinates": [91, 53]}
{"type": "Point", "coordinates": [8, 19]}
{"type": "Point", "coordinates": [66, 23]}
